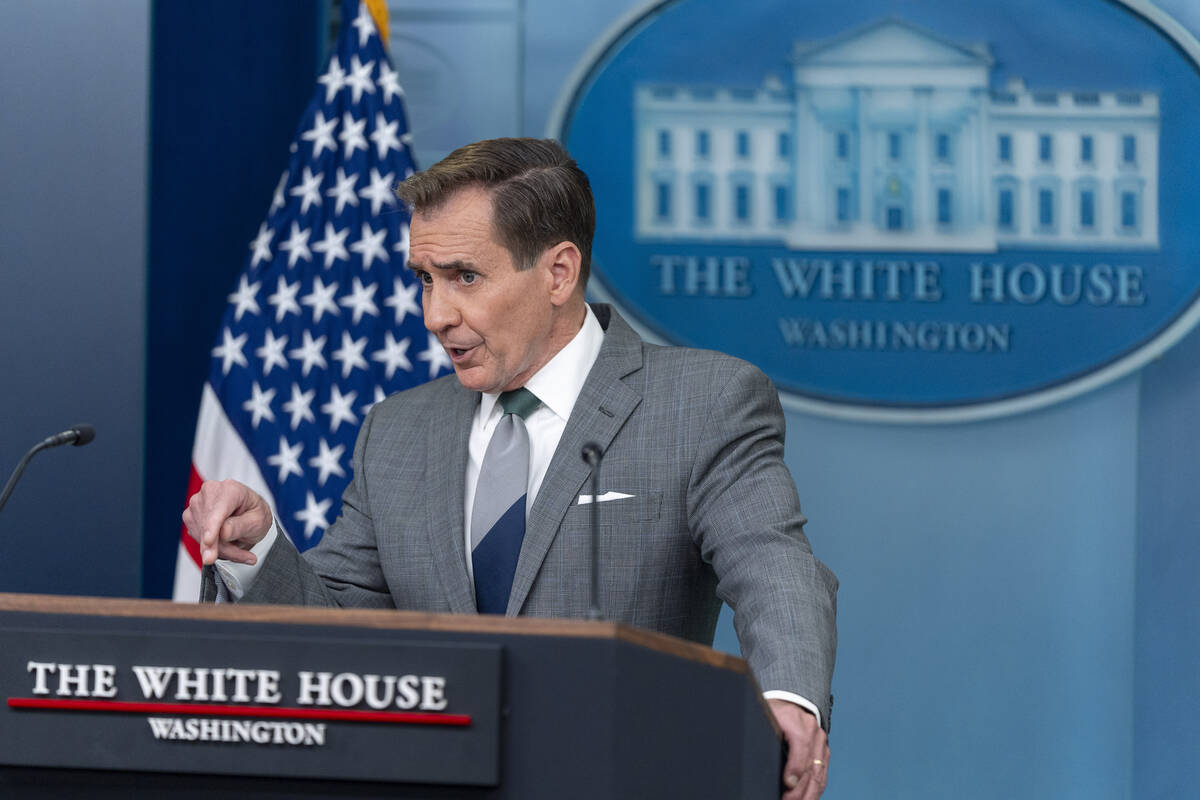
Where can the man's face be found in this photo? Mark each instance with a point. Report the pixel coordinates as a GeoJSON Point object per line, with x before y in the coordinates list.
{"type": "Point", "coordinates": [495, 321]}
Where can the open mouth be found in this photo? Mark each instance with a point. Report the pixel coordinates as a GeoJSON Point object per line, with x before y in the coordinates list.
{"type": "Point", "coordinates": [459, 353]}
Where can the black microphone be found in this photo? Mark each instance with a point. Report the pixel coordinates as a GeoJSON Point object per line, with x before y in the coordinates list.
{"type": "Point", "coordinates": [592, 454]}
{"type": "Point", "coordinates": [78, 436]}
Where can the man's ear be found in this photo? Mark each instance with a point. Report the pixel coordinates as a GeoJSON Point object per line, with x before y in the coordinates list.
{"type": "Point", "coordinates": [562, 262]}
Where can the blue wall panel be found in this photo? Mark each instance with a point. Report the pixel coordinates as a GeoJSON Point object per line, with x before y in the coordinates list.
{"type": "Point", "coordinates": [987, 599]}
{"type": "Point", "coordinates": [73, 94]}
{"type": "Point", "coordinates": [1167, 646]}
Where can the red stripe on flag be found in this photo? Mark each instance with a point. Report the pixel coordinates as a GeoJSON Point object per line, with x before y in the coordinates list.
{"type": "Point", "coordinates": [190, 544]}
{"type": "Point", "coordinates": [195, 709]}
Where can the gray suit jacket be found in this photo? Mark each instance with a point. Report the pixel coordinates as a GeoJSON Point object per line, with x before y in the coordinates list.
{"type": "Point", "coordinates": [695, 436]}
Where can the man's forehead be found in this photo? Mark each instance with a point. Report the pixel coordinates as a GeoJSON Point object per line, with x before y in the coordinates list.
{"type": "Point", "coordinates": [474, 200]}
{"type": "Point", "coordinates": [457, 234]}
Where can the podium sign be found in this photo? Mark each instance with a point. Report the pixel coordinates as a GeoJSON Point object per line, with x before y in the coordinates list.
{"type": "Point", "coordinates": [284, 706]}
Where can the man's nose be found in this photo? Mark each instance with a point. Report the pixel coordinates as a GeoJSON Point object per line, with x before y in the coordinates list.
{"type": "Point", "coordinates": [440, 311]}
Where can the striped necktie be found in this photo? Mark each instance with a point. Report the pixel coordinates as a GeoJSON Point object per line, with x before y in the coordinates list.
{"type": "Point", "coordinates": [498, 514]}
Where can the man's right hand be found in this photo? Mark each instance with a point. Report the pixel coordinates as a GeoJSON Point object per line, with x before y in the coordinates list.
{"type": "Point", "coordinates": [227, 519]}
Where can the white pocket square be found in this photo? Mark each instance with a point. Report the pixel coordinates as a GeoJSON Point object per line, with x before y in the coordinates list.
{"type": "Point", "coordinates": [585, 499]}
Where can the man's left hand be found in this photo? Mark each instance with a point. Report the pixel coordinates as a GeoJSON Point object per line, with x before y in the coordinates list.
{"type": "Point", "coordinates": [807, 766]}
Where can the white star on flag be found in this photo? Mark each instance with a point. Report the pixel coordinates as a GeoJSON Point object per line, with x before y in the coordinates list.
{"type": "Point", "coordinates": [313, 514]}
{"type": "Point", "coordinates": [321, 299]}
{"type": "Point", "coordinates": [393, 354]}
{"type": "Point", "coordinates": [362, 300]}
{"type": "Point", "coordinates": [327, 462]}
{"type": "Point", "coordinates": [284, 298]}
{"type": "Point", "coordinates": [271, 352]}
{"type": "Point", "coordinates": [384, 135]}
{"type": "Point", "coordinates": [333, 246]}
{"type": "Point", "coordinates": [338, 408]}
{"type": "Point", "coordinates": [370, 246]}
{"type": "Point", "coordinates": [245, 298]}
{"type": "Point", "coordinates": [259, 405]}
{"type": "Point", "coordinates": [296, 245]}
{"type": "Point", "coordinates": [321, 134]}
{"type": "Point", "coordinates": [300, 406]}
{"type": "Point", "coordinates": [350, 354]}
{"type": "Point", "coordinates": [389, 83]}
{"type": "Point", "coordinates": [364, 25]}
{"type": "Point", "coordinates": [309, 190]}
{"type": "Point", "coordinates": [230, 350]}
{"type": "Point", "coordinates": [343, 190]}
{"type": "Point", "coordinates": [310, 353]}
{"type": "Point", "coordinates": [360, 78]}
{"type": "Point", "coordinates": [333, 79]}
{"type": "Point", "coordinates": [352, 135]}
{"type": "Point", "coordinates": [287, 459]}
{"type": "Point", "coordinates": [379, 190]}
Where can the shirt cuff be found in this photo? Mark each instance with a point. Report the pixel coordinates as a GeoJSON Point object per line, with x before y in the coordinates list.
{"type": "Point", "coordinates": [239, 577]}
{"type": "Point", "coordinates": [807, 705]}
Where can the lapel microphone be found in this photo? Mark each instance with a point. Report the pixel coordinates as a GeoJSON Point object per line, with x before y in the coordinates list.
{"type": "Point", "coordinates": [592, 454]}
{"type": "Point", "coordinates": [78, 436]}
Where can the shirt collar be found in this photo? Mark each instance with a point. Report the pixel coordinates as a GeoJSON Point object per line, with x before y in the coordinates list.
{"type": "Point", "coordinates": [560, 381]}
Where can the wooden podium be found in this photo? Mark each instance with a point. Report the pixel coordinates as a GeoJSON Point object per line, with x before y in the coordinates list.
{"type": "Point", "coordinates": [140, 698]}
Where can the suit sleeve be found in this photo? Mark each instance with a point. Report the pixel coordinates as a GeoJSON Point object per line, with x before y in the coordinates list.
{"type": "Point", "coordinates": [343, 569]}
{"type": "Point", "coordinates": [745, 517]}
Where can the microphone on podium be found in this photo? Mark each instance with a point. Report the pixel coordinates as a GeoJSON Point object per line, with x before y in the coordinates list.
{"type": "Point", "coordinates": [78, 436]}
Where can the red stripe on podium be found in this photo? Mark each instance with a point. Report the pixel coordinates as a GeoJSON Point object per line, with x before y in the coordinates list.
{"type": "Point", "coordinates": [200, 709]}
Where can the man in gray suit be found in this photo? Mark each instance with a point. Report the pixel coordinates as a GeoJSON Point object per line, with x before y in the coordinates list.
{"type": "Point", "coordinates": [469, 493]}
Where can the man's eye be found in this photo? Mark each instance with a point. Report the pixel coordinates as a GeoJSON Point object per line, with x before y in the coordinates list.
{"type": "Point", "coordinates": [425, 278]}
{"type": "Point", "coordinates": [467, 277]}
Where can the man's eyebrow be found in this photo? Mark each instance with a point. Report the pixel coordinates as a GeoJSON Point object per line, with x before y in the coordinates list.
{"type": "Point", "coordinates": [461, 266]}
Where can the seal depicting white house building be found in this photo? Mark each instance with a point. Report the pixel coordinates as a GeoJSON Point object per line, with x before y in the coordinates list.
{"type": "Point", "coordinates": [891, 137]}
{"type": "Point", "coordinates": [903, 212]}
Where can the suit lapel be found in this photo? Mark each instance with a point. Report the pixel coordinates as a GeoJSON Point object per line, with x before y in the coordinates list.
{"type": "Point", "coordinates": [446, 451]}
{"type": "Point", "coordinates": [604, 404]}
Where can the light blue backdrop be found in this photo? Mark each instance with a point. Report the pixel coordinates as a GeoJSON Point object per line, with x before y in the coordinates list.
{"type": "Point", "coordinates": [1018, 610]}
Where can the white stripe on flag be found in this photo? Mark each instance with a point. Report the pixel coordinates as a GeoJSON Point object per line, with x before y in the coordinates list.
{"type": "Point", "coordinates": [187, 577]}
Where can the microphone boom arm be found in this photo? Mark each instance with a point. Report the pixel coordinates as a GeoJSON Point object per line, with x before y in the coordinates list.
{"type": "Point", "coordinates": [78, 436]}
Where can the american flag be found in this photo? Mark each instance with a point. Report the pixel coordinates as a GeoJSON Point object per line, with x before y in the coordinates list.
{"type": "Point", "coordinates": [325, 321]}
